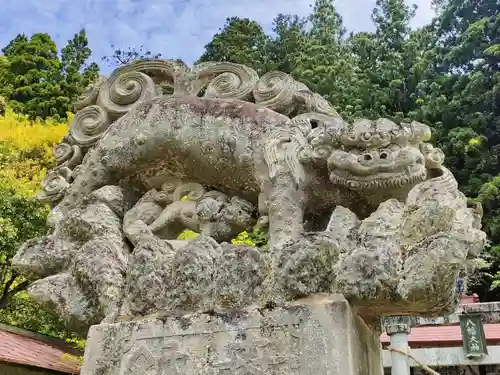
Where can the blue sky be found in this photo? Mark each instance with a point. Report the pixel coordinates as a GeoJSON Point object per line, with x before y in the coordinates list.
{"type": "Point", "coordinates": [174, 28]}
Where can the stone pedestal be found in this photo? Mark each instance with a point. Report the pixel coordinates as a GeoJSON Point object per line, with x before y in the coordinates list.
{"type": "Point", "coordinates": [316, 336]}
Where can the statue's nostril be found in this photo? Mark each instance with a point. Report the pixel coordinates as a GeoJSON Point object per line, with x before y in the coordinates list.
{"type": "Point", "coordinates": [367, 157]}
{"type": "Point", "coordinates": [383, 155]}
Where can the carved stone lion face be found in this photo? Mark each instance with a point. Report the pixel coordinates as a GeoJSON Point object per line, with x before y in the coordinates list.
{"type": "Point", "coordinates": [388, 167]}
{"type": "Point", "coordinates": [381, 154]}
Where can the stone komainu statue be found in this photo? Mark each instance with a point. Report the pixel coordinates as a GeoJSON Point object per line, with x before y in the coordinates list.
{"type": "Point", "coordinates": [365, 209]}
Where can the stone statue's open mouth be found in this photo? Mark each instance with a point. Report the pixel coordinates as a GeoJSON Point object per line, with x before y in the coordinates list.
{"type": "Point", "coordinates": [393, 179]}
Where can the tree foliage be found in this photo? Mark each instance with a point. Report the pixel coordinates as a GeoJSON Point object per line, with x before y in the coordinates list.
{"type": "Point", "coordinates": [36, 82]}
{"type": "Point", "coordinates": [76, 73]}
{"type": "Point", "coordinates": [25, 155]}
{"type": "Point", "coordinates": [122, 57]}
{"type": "Point", "coordinates": [241, 41]}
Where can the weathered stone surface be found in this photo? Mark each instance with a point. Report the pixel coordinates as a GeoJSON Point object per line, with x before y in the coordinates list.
{"type": "Point", "coordinates": [370, 267]}
{"type": "Point", "coordinates": [82, 263]}
{"type": "Point", "coordinates": [111, 196]}
{"type": "Point", "coordinates": [190, 206]}
{"type": "Point", "coordinates": [193, 269]}
{"type": "Point", "coordinates": [386, 224]}
{"type": "Point", "coordinates": [408, 256]}
{"type": "Point", "coordinates": [137, 219]}
{"type": "Point", "coordinates": [319, 335]}
{"type": "Point", "coordinates": [61, 293]}
{"type": "Point", "coordinates": [165, 275]}
{"type": "Point", "coordinates": [148, 278]}
{"type": "Point", "coordinates": [239, 277]}
{"type": "Point", "coordinates": [99, 267]}
{"type": "Point", "coordinates": [90, 221]}
{"type": "Point", "coordinates": [42, 257]}
{"type": "Point", "coordinates": [305, 266]}
{"type": "Point", "coordinates": [192, 275]}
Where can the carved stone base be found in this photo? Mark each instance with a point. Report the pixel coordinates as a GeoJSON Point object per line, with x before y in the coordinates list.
{"type": "Point", "coordinates": [319, 335]}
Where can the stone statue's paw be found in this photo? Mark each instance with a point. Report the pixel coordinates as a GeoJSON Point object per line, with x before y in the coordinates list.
{"type": "Point", "coordinates": [368, 273]}
{"type": "Point", "coordinates": [432, 267]}
{"type": "Point", "coordinates": [42, 257]}
{"type": "Point", "coordinates": [419, 222]}
{"type": "Point", "coordinates": [193, 269]}
{"type": "Point", "coordinates": [148, 278]}
{"type": "Point", "coordinates": [99, 268]}
{"type": "Point", "coordinates": [239, 277]}
{"type": "Point", "coordinates": [306, 265]}
{"type": "Point", "coordinates": [61, 294]}
{"type": "Point", "coordinates": [83, 260]}
{"type": "Point", "coordinates": [438, 235]}
{"type": "Point", "coordinates": [371, 258]}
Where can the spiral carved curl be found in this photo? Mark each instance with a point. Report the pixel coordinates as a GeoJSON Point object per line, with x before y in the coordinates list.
{"type": "Point", "coordinates": [89, 96]}
{"type": "Point", "coordinates": [89, 125]}
{"type": "Point", "coordinates": [67, 155]}
{"type": "Point", "coordinates": [234, 81]}
{"type": "Point", "coordinates": [54, 185]}
{"type": "Point", "coordinates": [434, 157]}
{"type": "Point", "coordinates": [314, 102]}
{"type": "Point", "coordinates": [275, 90]}
{"type": "Point", "coordinates": [122, 91]}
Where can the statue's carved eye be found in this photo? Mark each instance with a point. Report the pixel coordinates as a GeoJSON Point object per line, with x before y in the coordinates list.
{"type": "Point", "coordinates": [426, 147]}
{"type": "Point", "coordinates": [366, 136]}
{"type": "Point", "coordinates": [367, 157]}
{"type": "Point", "coordinates": [384, 155]}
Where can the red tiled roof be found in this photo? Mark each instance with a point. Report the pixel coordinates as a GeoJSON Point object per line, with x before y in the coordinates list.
{"type": "Point", "coordinates": [444, 335]}
{"type": "Point", "coordinates": [465, 300]}
{"type": "Point", "coordinates": [21, 350]}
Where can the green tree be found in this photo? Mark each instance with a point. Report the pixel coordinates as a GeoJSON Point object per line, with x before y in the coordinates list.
{"type": "Point", "coordinates": [243, 41]}
{"type": "Point", "coordinates": [285, 48]}
{"type": "Point", "coordinates": [464, 106]}
{"type": "Point", "coordinates": [33, 74]}
{"type": "Point", "coordinates": [468, 84]}
{"type": "Point", "coordinates": [394, 64]}
{"type": "Point", "coordinates": [240, 41]}
{"type": "Point", "coordinates": [313, 51]}
{"type": "Point", "coordinates": [5, 84]}
{"type": "Point", "coordinates": [20, 220]}
{"type": "Point", "coordinates": [122, 57]}
{"type": "Point", "coordinates": [36, 82]}
{"type": "Point", "coordinates": [76, 73]}
{"type": "Point", "coordinates": [24, 156]}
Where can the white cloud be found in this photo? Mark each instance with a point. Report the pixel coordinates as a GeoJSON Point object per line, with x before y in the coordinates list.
{"type": "Point", "coordinates": [175, 28]}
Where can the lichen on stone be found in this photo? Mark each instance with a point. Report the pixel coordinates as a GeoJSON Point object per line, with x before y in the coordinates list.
{"type": "Point", "coordinates": [237, 192]}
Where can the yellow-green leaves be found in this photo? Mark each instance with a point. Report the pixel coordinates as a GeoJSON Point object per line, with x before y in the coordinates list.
{"type": "Point", "coordinates": [187, 234]}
